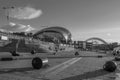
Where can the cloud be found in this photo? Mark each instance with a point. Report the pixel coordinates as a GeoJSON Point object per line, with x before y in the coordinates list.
{"type": "Point", "coordinates": [29, 28]}
{"type": "Point", "coordinates": [17, 27]}
{"type": "Point", "coordinates": [108, 34]}
{"type": "Point", "coordinates": [24, 13]}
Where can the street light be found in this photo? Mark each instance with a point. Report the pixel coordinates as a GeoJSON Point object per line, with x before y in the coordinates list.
{"type": "Point", "coordinates": [7, 10]}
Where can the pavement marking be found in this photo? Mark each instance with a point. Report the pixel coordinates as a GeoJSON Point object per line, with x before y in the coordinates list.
{"type": "Point", "coordinates": [64, 67]}
{"type": "Point", "coordinates": [57, 66]}
{"type": "Point", "coordinates": [54, 70]}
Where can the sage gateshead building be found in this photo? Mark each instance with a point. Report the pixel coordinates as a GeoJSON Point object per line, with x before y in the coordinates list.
{"type": "Point", "coordinates": [54, 34]}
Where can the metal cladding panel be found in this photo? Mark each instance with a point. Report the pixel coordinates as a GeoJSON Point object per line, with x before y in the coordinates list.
{"type": "Point", "coordinates": [63, 31]}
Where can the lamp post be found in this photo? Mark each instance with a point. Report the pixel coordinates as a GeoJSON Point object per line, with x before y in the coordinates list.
{"type": "Point", "coordinates": [14, 53]}
{"type": "Point", "coordinates": [7, 11]}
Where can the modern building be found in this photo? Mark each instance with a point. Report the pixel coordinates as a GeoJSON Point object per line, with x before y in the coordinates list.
{"type": "Point", "coordinates": [54, 34]}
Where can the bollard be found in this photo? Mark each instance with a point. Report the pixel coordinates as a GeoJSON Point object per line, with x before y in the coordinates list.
{"type": "Point", "coordinates": [6, 59]}
{"type": "Point", "coordinates": [99, 56]}
{"type": "Point", "coordinates": [76, 53]}
{"type": "Point", "coordinates": [33, 52]}
{"type": "Point", "coordinates": [110, 66]}
{"type": "Point", "coordinates": [117, 58]}
{"type": "Point", "coordinates": [38, 63]}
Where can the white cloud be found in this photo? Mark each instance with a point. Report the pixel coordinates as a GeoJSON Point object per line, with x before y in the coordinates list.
{"type": "Point", "coordinates": [17, 27]}
{"type": "Point", "coordinates": [29, 28]}
{"type": "Point", "coordinates": [24, 13]}
{"type": "Point", "coordinates": [108, 34]}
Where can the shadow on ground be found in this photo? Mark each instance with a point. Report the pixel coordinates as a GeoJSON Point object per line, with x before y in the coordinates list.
{"type": "Point", "coordinates": [9, 70]}
{"type": "Point", "coordinates": [88, 75]}
{"type": "Point", "coordinates": [56, 57]}
{"type": "Point", "coordinates": [23, 69]}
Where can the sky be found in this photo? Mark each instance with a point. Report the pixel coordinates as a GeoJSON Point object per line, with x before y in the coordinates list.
{"type": "Point", "coordinates": [83, 18]}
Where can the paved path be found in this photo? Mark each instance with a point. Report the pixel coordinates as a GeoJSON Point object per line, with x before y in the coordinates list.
{"type": "Point", "coordinates": [63, 66]}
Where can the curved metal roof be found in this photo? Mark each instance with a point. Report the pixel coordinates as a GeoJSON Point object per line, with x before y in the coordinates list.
{"type": "Point", "coordinates": [95, 38]}
{"type": "Point", "coordinates": [63, 31]}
